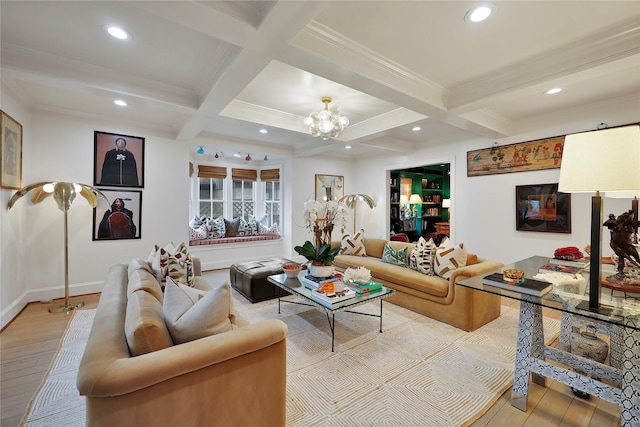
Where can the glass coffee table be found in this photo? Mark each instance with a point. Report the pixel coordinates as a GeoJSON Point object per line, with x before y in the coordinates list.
{"type": "Point", "coordinates": [295, 287]}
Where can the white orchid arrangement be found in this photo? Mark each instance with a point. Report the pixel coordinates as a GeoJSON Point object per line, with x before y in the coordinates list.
{"type": "Point", "coordinates": [360, 274]}
{"type": "Point", "coordinates": [321, 218]}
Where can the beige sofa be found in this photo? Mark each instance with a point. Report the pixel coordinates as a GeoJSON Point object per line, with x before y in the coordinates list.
{"type": "Point", "coordinates": [234, 378]}
{"type": "Point", "coordinates": [432, 296]}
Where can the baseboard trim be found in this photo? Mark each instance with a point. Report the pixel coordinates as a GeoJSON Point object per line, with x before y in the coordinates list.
{"type": "Point", "coordinates": [45, 294]}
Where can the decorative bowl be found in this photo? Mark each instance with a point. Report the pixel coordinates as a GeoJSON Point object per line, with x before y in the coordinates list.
{"type": "Point", "coordinates": [291, 270]}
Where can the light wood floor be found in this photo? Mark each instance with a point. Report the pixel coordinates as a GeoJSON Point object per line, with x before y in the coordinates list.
{"type": "Point", "coordinates": [29, 343]}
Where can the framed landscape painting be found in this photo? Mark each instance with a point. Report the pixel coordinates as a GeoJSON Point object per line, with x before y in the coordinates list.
{"type": "Point", "coordinates": [542, 208]}
{"type": "Point", "coordinates": [10, 152]}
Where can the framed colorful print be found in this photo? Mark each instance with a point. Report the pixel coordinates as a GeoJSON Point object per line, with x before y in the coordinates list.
{"type": "Point", "coordinates": [329, 187]}
{"type": "Point", "coordinates": [118, 160]}
{"type": "Point", "coordinates": [10, 152]}
{"type": "Point", "coordinates": [120, 219]}
{"type": "Point", "coordinates": [542, 208]}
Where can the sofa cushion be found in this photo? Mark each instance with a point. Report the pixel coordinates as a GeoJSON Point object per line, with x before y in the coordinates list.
{"type": "Point", "coordinates": [142, 280]}
{"type": "Point", "coordinates": [136, 264]}
{"type": "Point", "coordinates": [189, 318]}
{"type": "Point", "coordinates": [395, 257]}
{"type": "Point", "coordinates": [144, 324]}
{"type": "Point", "coordinates": [353, 244]}
{"type": "Point", "coordinates": [374, 247]}
{"type": "Point", "coordinates": [449, 257]}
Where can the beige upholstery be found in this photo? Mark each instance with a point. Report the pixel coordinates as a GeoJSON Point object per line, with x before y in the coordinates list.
{"type": "Point", "coordinates": [235, 378]}
{"type": "Point", "coordinates": [432, 296]}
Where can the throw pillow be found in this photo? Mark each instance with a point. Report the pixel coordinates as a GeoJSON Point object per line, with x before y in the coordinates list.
{"type": "Point", "coordinates": [177, 265]}
{"type": "Point", "coordinates": [449, 257]}
{"type": "Point", "coordinates": [423, 256]}
{"type": "Point", "coordinates": [144, 325]}
{"type": "Point", "coordinates": [232, 227]}
{"type": "Point", "coordinates": [159, 263]}
{"type": "Point", "coordinates": [198, 233]}
{"type": "Point", "coordinates": [353, 244]}
{"type": "Point", "coordinates": [248, 228]}
{"type": "Point", "coordinates": [268, 231]}
{"type": "Point", "coordinates": [391, 256]}
{"type": "Point", "coordinates": [216, 228]}
{"type": "Point", "coordinates": [188, 320]}
{"type": "Point", "coordinates": [197, 221]}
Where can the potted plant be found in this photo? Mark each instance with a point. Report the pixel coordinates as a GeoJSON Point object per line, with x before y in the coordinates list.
{"type": "Point", "coordinates": [321, 218]}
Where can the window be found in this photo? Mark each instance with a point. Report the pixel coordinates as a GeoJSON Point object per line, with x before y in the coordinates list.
{"type": "Point", "coordinates": [272, 201]}
{"type": "Point", "coordinates": [242, 199]}
{"type": "Point", "coordinates": [211, 197]}
{"type": "Point", "coordinates": [240, 196]}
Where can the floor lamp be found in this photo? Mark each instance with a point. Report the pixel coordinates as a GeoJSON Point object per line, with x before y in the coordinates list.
{"type": "Point", "coordinates": [351, 200]}
{"type": "Point", "coordinates": [602, 160]}
{"type": "Point", "coordinates": [64, 194]}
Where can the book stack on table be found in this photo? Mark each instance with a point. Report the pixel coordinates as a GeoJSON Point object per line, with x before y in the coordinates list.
{"type": "Point", "coordinates": [552, 267]}
{"type": "Point", "coordinates": [335, 297]}
{"type": "Point", "coordinates": [312, 282]}
{"type": "Point", "coordinates": [528, 286]}
{"type": "Point", "coordinates": [365, 288]}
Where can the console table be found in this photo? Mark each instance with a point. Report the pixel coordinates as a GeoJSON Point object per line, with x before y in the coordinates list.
{"type": "Point", "coordinates": [534, 359]}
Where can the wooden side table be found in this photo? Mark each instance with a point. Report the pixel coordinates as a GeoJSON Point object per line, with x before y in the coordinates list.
{"type": "Point", "coordinates": [442, 228]}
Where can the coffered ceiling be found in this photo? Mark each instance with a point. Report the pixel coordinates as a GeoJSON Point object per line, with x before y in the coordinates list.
{"type": "Point", "coordinates": [213, 73]}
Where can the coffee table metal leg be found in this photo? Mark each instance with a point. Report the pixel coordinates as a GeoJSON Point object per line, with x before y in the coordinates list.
{"type": "Point", "coordinates": [381, 315]}
{"type": "Point", "coordinates": [278, 305]}
{"type": "Point", "coordinates": [332, 325]}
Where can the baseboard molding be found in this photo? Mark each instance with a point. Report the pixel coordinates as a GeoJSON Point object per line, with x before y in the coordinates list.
{"type": "Point", "coordinates": [45, 294]}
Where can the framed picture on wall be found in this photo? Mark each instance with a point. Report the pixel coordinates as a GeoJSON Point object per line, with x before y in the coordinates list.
{"type": "Point", "coordinates": [329, 187]}
{"type": "Point", "coordinates": [10, 152]}
{"type": "Point", "coordinates": [118, 160]}
{"type": "Point", "coordinates": [542, 208]}
{"type": "Point", "coordinates": [120, 219]}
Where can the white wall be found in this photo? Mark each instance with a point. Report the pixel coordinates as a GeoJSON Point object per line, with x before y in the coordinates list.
{"type": "Point", "coordinates": [483, 208]}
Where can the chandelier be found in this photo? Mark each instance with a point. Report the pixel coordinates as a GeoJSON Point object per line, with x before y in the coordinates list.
{"type": "Point", "coordinates": [326, 124]}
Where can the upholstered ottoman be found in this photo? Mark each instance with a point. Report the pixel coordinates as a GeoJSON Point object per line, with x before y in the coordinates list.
{"type": "Point", "coordinates": [250, 279]}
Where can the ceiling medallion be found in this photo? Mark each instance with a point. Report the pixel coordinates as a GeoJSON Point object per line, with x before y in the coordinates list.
{"type": "Point", "coordinates": [327, 123]}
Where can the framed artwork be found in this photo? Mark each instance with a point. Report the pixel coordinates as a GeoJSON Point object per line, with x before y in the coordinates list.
{"type": "Point", "coordinates": [519, 157]}
{"type": "Point", "coordinates": [542, 208]}
{"type": "Point", "coordinates": [118, 160]}
{"type": "Point", "coordinates": [10, 152]}
{"type": "Point", "coordinates": [329, 187]}
{"type": "Point", "coordinates": [120, 219]}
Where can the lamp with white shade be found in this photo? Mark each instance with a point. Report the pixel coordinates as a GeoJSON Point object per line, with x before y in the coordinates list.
{"type": "Point", "coordinates": [415, 200]}
{"type": "Point", "coordinates": [446, 204]}
{"type": "Point", "coordinates": [600, 161]}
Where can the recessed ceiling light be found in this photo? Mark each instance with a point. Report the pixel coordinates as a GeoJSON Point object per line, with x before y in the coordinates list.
{"type": "Point", "coordinates": [416, 128]}
{"type": "Point", "coordinates": [554, 90]}
{"type": "Point", "coordinates": [347, 147]}
{"type": "Point", "coordinates": [116, 32]}
{"type": "Point", "coordinates": [479, 13]}
{"type": "Point", "coordinates": [263, 131]}
{"type": "Point", "coordinates": [120, 103]}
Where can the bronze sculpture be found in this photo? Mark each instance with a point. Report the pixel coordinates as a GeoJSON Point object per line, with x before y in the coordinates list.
{"type": "Point", "coordinates": [622, 230]}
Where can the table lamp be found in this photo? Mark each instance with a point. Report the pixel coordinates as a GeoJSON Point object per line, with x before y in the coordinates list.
{"type": "Point", "coordinates": [64, 194]}
{"type": "Point", "coordinates": [415, 200]}
{"type": "Point", "coordinates": [446, 204]}
{"type": "Point", "coordinates": [604, 160]}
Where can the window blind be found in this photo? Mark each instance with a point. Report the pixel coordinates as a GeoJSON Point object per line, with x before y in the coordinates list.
{"type": "Point", "coordinates": [244, 174]}
{"type": "Point", "coordinates": [270, 175]}
{"type": "Point", "coordinates": [212, 172]}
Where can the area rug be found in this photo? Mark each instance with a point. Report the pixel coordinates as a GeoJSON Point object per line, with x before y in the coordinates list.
{"type": "Point", "coordinates": [417, 372]}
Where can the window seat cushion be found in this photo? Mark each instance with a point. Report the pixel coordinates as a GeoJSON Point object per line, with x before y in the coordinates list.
{"type": "Point", "coordinates": [238, 239]}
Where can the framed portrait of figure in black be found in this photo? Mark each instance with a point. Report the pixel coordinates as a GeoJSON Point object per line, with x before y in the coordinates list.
{"type": "Point", "coordinates": [120, 218]}
{"type": "Point", "coordinates": [118, 160]}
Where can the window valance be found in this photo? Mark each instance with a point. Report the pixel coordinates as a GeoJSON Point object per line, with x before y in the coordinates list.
{"type": "Point", "coordinates": [212, 172]}
{"type": "Point", "coordinates": [270, 175]}
{"type": "Point", "coordinates": [244, 174]}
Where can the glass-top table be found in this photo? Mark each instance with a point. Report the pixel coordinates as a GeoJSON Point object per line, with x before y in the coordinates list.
{"type": "Point", "coordinates": [533, 357]}
{"type": "Point", "coordinates": [296, 287]}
